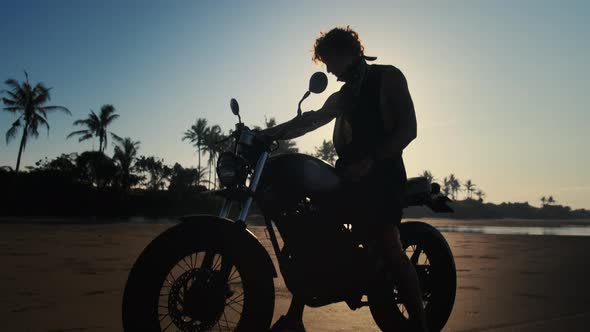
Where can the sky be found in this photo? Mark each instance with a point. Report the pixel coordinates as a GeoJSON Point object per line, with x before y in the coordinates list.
{"type": "Point", "coordinates": [501, 88]}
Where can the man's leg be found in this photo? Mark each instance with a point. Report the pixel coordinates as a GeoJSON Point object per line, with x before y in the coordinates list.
{"type": "Point", "coordinates": [388, 238]}
{"type": "Point", "coordinates": [293, 320]}
{"type": "Point", "coordinates": [295, 312]}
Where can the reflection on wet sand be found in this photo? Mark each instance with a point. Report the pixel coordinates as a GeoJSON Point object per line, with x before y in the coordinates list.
{"type": "Point", "coordinates": [518, 230]}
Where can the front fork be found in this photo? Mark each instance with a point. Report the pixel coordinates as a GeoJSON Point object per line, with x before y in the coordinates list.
{"type": "Point", "coordinates": [246, 204]}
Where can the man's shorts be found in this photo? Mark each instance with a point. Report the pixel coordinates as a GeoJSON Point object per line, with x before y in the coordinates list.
{"type": "Point", "coordinates": [378, 198]}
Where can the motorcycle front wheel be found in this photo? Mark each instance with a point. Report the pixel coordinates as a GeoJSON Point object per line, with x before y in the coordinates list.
{"type": "Point", "coordinates": [433, 260]}
{"type": "Point", "coordinates": [186, 280]}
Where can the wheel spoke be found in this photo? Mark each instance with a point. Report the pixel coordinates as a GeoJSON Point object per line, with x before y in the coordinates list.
{"type": "Point", "coordinates": [217, 263]}
{"type": "Point", "coordinates": [416, 254]}
{"type": "Point", "coordinates": [229, 281]}
{"type": "Point", "coordinates": [196, 262]}
{"type": "Point", "coordinates": [225, 269]}
{"type": "Point", "coordinates": [232, 308]}
{"type": "Point", "coordinates": [237, 296]}
{"type": "Point", "coordinates": [187, 264]}
{"type": "Point", "coordinates": [194, 271]}
{"type": "Point", "coordinates": [235, 302]}
{"type": "Point", "coordinates": [225, 318]}
{"type": "Point", "coordinates": [167, 326]}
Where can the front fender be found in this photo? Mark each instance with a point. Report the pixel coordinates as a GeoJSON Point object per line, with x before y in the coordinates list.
{"type": "Point", "coordinates": [236, 235]}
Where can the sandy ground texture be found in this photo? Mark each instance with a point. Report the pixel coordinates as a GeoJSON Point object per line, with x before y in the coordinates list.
{"type": "Point", "coordinates": [68, 277]}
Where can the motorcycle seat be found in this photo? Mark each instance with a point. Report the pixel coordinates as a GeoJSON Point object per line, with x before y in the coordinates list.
{"type": "Point", "coordinates": [416, 189]}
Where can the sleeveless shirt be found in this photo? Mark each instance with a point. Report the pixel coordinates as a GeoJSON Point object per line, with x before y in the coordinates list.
{"type": "Point", "coordinates": [360, 129]}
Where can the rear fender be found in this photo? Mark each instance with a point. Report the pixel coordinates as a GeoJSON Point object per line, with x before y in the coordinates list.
{"type": "Point", "coordinates": [234, 235]}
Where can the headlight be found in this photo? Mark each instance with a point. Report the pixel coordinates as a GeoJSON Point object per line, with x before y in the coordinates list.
{"type": "Point", "coordinates": [231, 169]}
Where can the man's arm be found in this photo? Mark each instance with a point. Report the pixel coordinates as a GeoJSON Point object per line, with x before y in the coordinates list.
{"type": "Point", "coordinates": [398, 114]}
{"type": "Point", "coordinates": [307, 122]}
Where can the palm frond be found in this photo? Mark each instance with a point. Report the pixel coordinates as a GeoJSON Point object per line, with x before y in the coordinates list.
{"type": "Point", "coordinates": [41, 94]}
{"type": "Point", "coordinates": [14, 109]}
{"type": "Point", "coordinates": [117, 138]}
{"type": "Point", "coordinates": [85, 137]}
{"type": "Point", "coordinates": [111, 118]}
{"type": "Point", "coordinates": [42, 111]}
{"type": "Point", "coordinates": [13, 83]}
{"type": "Point", "coordinates": [79, 132]}
{"type": "Point", "coordinates": [43, 121]}
{"type": "Point", "coordinates": [32, 131]}
{"type": "Point", "coordinates": [93, 116]}
{"type": "Point", "coordinates": [11, 133]}
{"type": "Point", "coordinates": [13, 101]}
{"type": "Point", "coordinates": [82, 122]}
{"type": "Point", "coordinates": [105, 112]}
{"type": "Point", "coordinates": [190, 136]}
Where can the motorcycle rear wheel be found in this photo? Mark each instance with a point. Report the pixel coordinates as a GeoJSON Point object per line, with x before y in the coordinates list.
{"type": "Point", "coordinates": [431, 255]}
{"type": "Point", "coordinates": [177, 284]}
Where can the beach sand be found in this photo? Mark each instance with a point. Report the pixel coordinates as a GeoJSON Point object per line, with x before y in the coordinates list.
{"type": "Point", "coordinates": [70, 277]}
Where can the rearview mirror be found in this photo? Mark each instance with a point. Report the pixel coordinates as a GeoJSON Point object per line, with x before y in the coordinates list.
{"type": "Point", "coordinates": [318, 82]}
{"type": "Point", "coordinates": [235, 108]}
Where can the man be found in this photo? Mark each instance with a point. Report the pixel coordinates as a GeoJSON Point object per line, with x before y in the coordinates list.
{"type": "Point", "coordinates": [375, 121]}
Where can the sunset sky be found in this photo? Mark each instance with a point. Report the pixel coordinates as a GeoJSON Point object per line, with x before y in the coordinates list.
{"type": "Point", "coordinates": [501, 88]}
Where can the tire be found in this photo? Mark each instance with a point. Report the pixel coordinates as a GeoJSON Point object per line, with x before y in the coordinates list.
{"type": "Point", "coordinates": [438, 281]}
{"type": "Point", "coordinates": [170, 264]}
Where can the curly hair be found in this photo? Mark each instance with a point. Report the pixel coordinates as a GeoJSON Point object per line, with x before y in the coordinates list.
{"type": "Point", "coordinates": [338, 40]}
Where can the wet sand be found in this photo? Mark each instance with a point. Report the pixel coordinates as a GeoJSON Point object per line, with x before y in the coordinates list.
{"type": "Point", "coordinates": [69, 277]}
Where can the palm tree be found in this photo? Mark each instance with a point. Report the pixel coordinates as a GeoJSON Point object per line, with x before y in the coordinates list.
{"type": "Point", "coordinates": [543, 201]}
{"type": "Point", "coordinates": [550, 200]}
{"type": "Point", "coordinates": [428, 175]}
{"type": "Point", "coordinates": [480, 195]}
{"type": "Point", "coordinates": [326, 152]}
{"type": "Point", "coordinates": [212, 136]}
{"type": "Point", "coordinates": [469, 187]}
{"type": "Point", "coordinates": [455, 185]}
{"type": "Point", "coordinates": [125, 153]}
{"type": "Point", "coordinates": [196, 135]}
{"type": "Point", "coordinates": [446, 186]}
{"type": "Point", "coordinates": [28, 103]}
{"type": "Point", "coordinates": [97, 126]}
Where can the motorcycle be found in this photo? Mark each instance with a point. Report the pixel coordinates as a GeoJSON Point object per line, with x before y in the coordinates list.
{"type": "Point", "coordinates": [211, 273]}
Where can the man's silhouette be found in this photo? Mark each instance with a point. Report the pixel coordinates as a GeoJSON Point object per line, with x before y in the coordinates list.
{"type": "Point", "coordinates": [375, 121]}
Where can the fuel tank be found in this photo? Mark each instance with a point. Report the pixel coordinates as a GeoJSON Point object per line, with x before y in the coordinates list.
{"type": "Point", "coordinates": [295, 175]}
